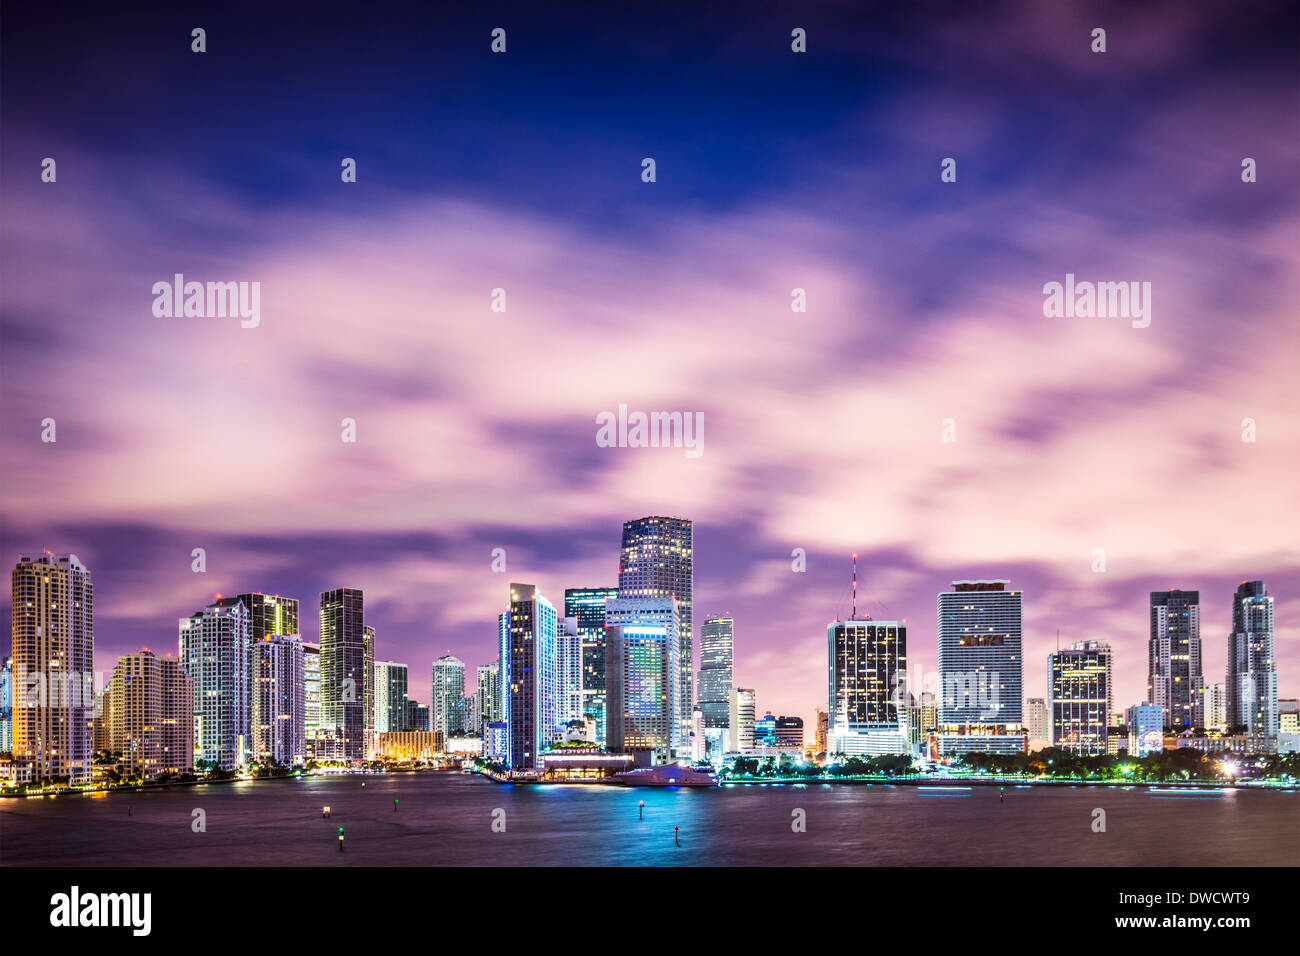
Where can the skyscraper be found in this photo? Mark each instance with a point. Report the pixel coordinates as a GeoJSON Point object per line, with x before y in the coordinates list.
{"type": "Point", "coordinates": [368, 686]}
{"type": "Point", "coordinates": [1174, 680]}
{"type": "Point", "coordinates": [1036, 724]}
{"type": "Point", "coordinates": [743, 712]}
{"type": "Point", "coordinates": [717, 670]}
{"type": "Point", "coordinates": [311, 695]}
{"type": "Point", "coordinates": [980, 668]}
{"type": "Point", "coordinates": [657, 561]}
{"type": "Point", "coordinates": [568, 652]}
{"type": "Point", "coordinates": [587, 607]}
{"type": "Point", "coordinates": [279, 700]}
{"type": "Point", "coordinates": [151, 715]}
{"type": "Point", "coordinates": [448, 688]}
{"type": "Point", "coordinates": [391, 680]}
{"type": "Point", "coordinates": [7, 705]}
{"type": "Point", "coordinates": [1252, 676]}
{"type": "Point", "coordinates": [1216, 705]}
{"type": "Point", "coordinates": [343, 679]}
{"type": "Point", "coordinates": [214, 650]}
{"type": "Point", "coordinates": [641, 673]}
{"type": "Point", "coordinates": [867, 687]}
{"type": "Point", "coordinates": [488, 692]}
{"type": "Point", "coordinates": [53, 666]}
{"type": "Point", "coordinates": [1079, 681]}
{"type": "Point", "coordinates": [532, 713]}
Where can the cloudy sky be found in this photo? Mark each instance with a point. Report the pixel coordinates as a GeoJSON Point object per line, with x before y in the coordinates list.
{"type": "Point", "coordinates": [476, 429]}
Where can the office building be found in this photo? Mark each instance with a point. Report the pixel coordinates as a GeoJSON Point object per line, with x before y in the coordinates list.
{"type": "Point", "coordinates": [1037, 725]}
{"type": "Point", "coordinates": [53, 667]}
{"type": "Point", "coordinates": [980, 668]}
{"type": "Point", "coordinates": [867, 687]}
{"type": "Point", "coordinates": [788, 733]}
{"type": "Point", "coordinates": [717, 670]}
{"type": "Point", "coordinates": [657, 561]}
{"type": "Point", "coordinates": [1146, 729]}
{"type": "Point", "coordinates": [587, 607]}
{"type": "Point", "coordinates": [1174, 678]}
{"type": "Point", "coordinates": [1216, 706]}
{"type": "Point", "coordinates": [568, 673]}
{"type": "Point", "coordinates": [7, 705]}
{"type": "Point", "coordinates": [642, 643]}
{"type": "Point", "coordinates": [346, 670]}
{"type": "Point", "coordinates": [488, 691]}
{"type": "Point", "coordinates": [1080, 683]}
{"type": "Point", "coordinates": [391, 679]}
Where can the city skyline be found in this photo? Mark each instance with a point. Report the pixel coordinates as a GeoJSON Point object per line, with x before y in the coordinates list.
{"type": "Point", "coordinates": [776, 171]}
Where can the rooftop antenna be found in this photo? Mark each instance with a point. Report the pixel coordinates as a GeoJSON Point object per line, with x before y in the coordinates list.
{"type": "Point", "coordinates": [855, 589]}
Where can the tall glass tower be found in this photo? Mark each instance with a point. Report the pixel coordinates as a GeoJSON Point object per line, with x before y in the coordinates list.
{"type": "Point", "coordinates": [1082, 698]}
{"type": "Point", "coordinates": [981, 668]}
{"type": "Point", "coordinates": [343, 673]}
{"type": "Point", "coordinates": [587, 607]}
{"type": "Point", "coordinates": [448, 688]}
{"type": "Point", "coordinates": [657, 561]}
{"type": "Point", "coordinates": [1252, 675]}
{"type": "Point", "coordinates": [532, 714]}
{"type": "Point", "coordinates": [717, 667]}
{"type": "Point", "coordinates": [215, 651]}
{"type": "Point", "coordinates": [1174, 680]}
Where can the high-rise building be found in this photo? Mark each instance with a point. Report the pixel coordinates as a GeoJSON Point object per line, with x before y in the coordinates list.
{"type": "Point", "coordinates": [765, 731]}
{"type": "Point", "coordinates": [1216, 706]}
{"type": "Point", "coordinates": [7, 705]}
{"type": "Point", "coordinates": [1037, 727]}
{"type": "Point", "coordinates": [54, 666]}
{"type": "Point", "coordinates": [568, 673]}
{"type": "Point", "coordinates": [640, 674]}
{"type": "Point", "coordinates": [980, 668]}
{"type": "Point", "coordinates": [642, 643]}
{"type": "Point", "coordinates": [657, 561]}
{"type": "Point", "coordinates": [417, 716]}
{"type": "Point", "coordinates": [214, 650]}
{"type": "Point", "coordinates": [448, 689]}
{"type": "Point", "coordinates": [743, 711]}
{"type": "Point", "coordinates": [311, 695]}
{"type": "Point", "coordinates": [532, 714]}
{"type": "Point", "coordinates": [1146, 729]}
{"type": "Point", "coordinates": [1174, 678]}
{"type": "Point", "coordinates": [587, 607]}
{"type": "Point", "coordinates": [867, 687]}
{"type": "Point", "coordinates": [717, 670]}
{"type": "Point", "coordinates": [279, 700]}
{"type": "Point", "coordinates": [345, 724]}
{"type": "Point", "coordinates": [1252, 674]}
{"type": "Point", "coordinates": [823, 732]}
{"type": "Point", "coordinates": [391, 681]}
{"type": "Point", "coordinates": [368, 685]}
{"type": "Point", "coordinates": [1080, 683]}
{"type": "Point", "coordinates": [151, 715]}
{"type": "Point", "coordinates": [489, 694]}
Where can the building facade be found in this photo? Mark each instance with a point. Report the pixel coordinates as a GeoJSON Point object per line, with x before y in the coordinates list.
{"type": "Point", "coordinates": [448, 682]}
{"type": "Point", "coordinates": [1174, 680]}
{"type": "Point", "coordinates": [1079, 680]}
{"type": "Point", "coordinates": [53, 612]}
{"type": "Point", "coordinates": [1252, 674]}
{"type": "Point", "coordinates": [214, 650]}
{"type": "Point", "coordinates": [587, 607]}
{"type": "Point", "coordinates": [532, 713]}
{"type": "Point", "coordinates": [151, 715]}
{"type": "Point", "coordinates": [279, 727]}
{"type": "Point", "coordinates": [717, 670]}
{"type": "Point", "coordinates": [657, 561]}
{"type": "Point", "coordinates": [980, 668]}
{"type": "Point", "coordinates": [867, 687]}
{"type": "Point", "coordinates": [744, 711]}
{"type": "Point", "coordinates": [345, 676]}
{"type": "Point", "coordinates": [641, 677]}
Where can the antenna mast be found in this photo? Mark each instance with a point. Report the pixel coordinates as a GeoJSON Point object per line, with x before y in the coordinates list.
{"type": "Point", "coordinates": [855, 589]}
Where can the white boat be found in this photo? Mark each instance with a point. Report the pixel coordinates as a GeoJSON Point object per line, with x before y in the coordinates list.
{"type": "Point", "coordinates": [667, 775]}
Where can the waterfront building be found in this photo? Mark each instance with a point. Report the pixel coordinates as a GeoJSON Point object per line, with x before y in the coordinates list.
{"type": "Point", "coordinates": [532, 714]}
{"type": "Point", "coordinates": [151, 716]}
{"type": "Point", "coordinates": [657, 561]}
{"type": "Point", "coordinates": [744, 708]}
{"type": "Point", "coordinates": [787, 733]}
{"type": "Point", "coordinates": [980, 668]}
{"type": "Point", "coordinates": [867, 687]}
{"type": "Point", "coordinates": [642, 671]}
{"type": "Point", "coordinates": [1080, 682]}
{"type": "Point", "coordinates": [765, 731]}
{"type": "Point", "coordinates": [311, 696]}
{"type": "Point", "coordinates": [587, 607]}
{"type": "Point", "coordinates": [417, 716]}
{"type": "Point", "coordinates": [279, 700]}
{"type": "Point", "coordinates": [568, 670]}
{"type": "Point", "coordinates": [1174, 679]}
{"type": "Point", "coordinates": [1288, 726]}
{"type": "Point", "coordinates": [1037, 727]}
{"type": "Point", "coordinates": [1252, 673]}
{"type": "Point", "coordinates": [823, 731]}
{"type": "Point", "coordinates": [1146, 725]}
{"type": "Point", "coordinates": [488, 694]}
{"type": "Point", "coordinates": [53, 608]}
{"type": "Point", "coordinates": [717, 667]}
{"type": "Point", "coordinates": [391, 682]}
{"type": "Point", "coordinates": [410, 745]}
{"type": "Point", "coordinates": [347, 673]}
{"type": "Point", "coordinates": [1216, 706]}
{"type": "Point", "coordinates": [214, 650]}
{"type": "Point", "coordinates": [448, 690]}
{"type": "Point", "coordinates": [7, 705]}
